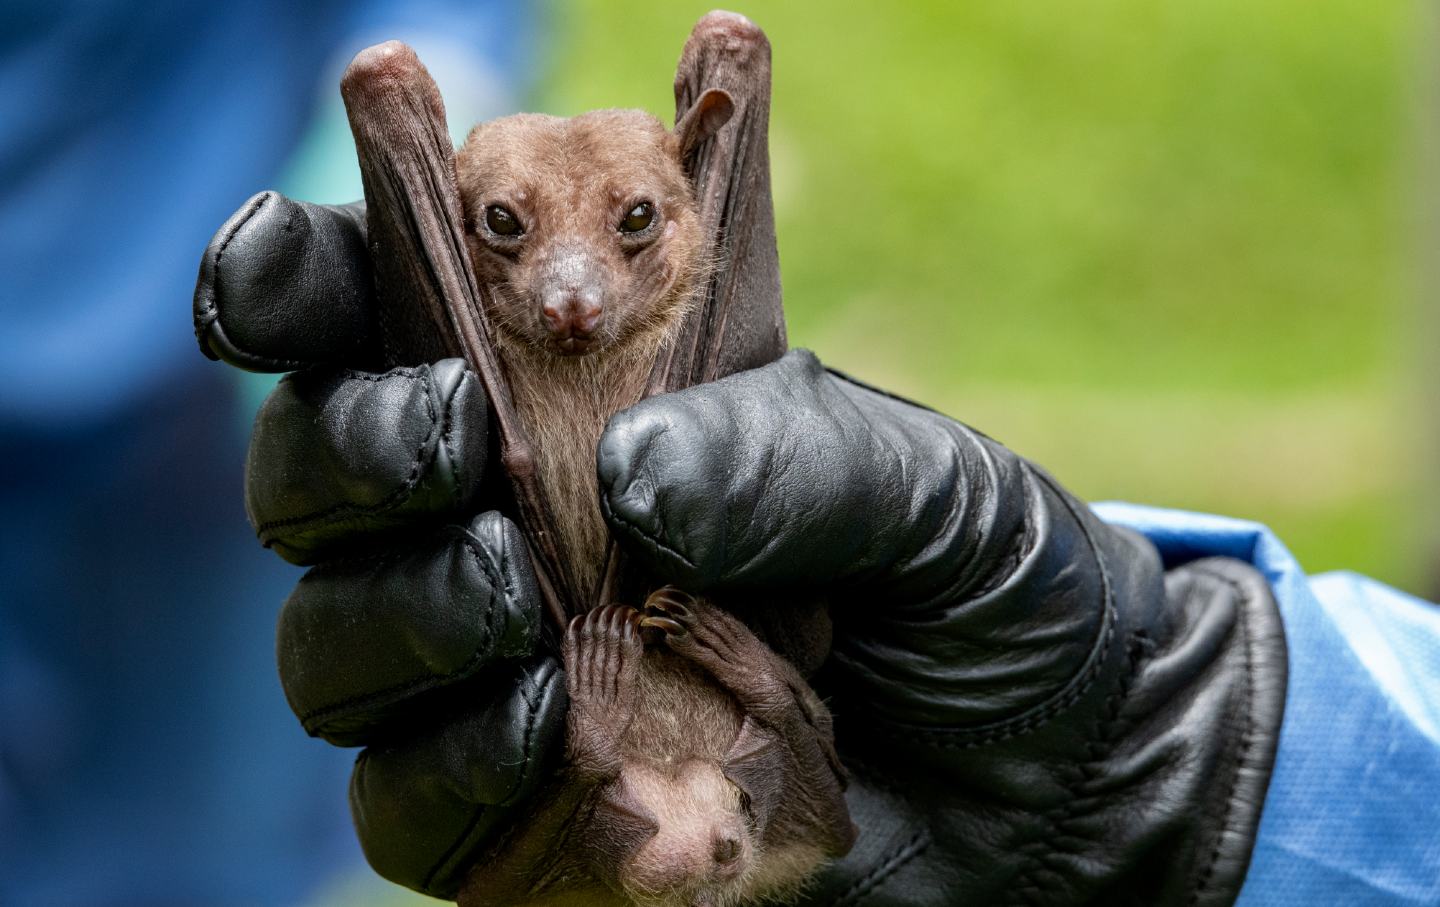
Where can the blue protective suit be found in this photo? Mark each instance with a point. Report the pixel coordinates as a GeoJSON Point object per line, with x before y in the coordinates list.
{"type": "Point", "coordinates": [1352, 816]}
{"type": "Point", "coordinates": [146, 755]}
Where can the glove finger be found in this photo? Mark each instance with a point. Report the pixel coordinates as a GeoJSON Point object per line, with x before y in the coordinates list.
{"type": "Point", "coordinates": [340, 457]}
{"type": "Point", "coordinates": [362, 643]}
{"type": "Point", "coordinates": [286, 284]}
{"type": "Point", "coordinates": [426, 806]}
{"type": "Point", "coordinates": [789, 475]}
{"type": "Point", "coordinates": [764, 477]}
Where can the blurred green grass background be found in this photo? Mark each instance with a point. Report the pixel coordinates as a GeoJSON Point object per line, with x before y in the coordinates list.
{"type": "Point", "coordinates": [1169, 251]}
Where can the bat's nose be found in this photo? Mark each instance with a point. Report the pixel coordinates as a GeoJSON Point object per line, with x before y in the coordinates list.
{"type": "Point", "coordinates": [727, 855]}
{"type": "Point", "coordinates": [573, 316]}
{"type": "Point", "coordinates": [727, 848]}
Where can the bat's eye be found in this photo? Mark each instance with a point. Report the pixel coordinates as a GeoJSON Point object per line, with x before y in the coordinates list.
{"type": "Point", "coordinates": [501, 222]}
{"type": "Point", "coordinates": [638, 219]}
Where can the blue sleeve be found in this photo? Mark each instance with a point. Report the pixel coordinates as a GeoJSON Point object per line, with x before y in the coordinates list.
{"type": "Point", "coordinates": [146, 753]}
{"type": "Point", "coordinates": [1353, 812]}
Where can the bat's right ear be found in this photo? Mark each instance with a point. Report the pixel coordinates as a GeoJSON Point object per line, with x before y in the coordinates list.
{"type": "Point", "coordinates": [710, 111]}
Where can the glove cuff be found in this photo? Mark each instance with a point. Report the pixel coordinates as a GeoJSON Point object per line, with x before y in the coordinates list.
{"type": "Point", "coordinates": [1249, 672]}
{"type": "Point", "coordinates": [1141, 782]}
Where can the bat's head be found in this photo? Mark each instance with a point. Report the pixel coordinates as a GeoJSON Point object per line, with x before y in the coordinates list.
{"type": "Point", "coordinates": [586, 229]}
{"type": "Point", "coordinates": [702, 846]}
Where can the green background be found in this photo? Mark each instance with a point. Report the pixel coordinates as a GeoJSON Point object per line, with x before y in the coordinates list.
{"type": "Point", "coordinates": [1167, 250]}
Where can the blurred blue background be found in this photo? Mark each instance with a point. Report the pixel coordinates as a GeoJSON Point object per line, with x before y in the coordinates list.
{"type": "Point", "coordinates": [146, 754]}
{"type": "Point", "coordinates": [1174, 252]}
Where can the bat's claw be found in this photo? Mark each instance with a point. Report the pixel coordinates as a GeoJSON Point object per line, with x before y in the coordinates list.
{"type": "Point", "coordinates": [666, 611]}
{"type": "Point", "coordinates": [670, 602]}
{"type": "Point", "coordinates": [602, 650]}
{"type": "Point", "coordinates": [670, 628]}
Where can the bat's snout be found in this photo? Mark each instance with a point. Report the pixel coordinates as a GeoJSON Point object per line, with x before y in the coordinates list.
{"type": "Point", "coordinates": [703, 845]}
{"type": "Point", "coordinates": [572, 301]}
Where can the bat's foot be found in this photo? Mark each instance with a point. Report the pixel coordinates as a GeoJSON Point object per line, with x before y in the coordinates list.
{"type": "Point", "coordinates": [717, 641]}
{"type": "Point", "coordinates": [602, 652]}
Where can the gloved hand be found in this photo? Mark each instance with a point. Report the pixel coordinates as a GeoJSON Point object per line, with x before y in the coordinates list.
{"type": "Point", "coordinates": [1033, 710]}
{"type": "Point", "coordinates": [417, 632]}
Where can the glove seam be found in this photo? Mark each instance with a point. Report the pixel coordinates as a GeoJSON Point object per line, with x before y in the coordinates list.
{"type": "Point", "coordinates": [850, 379]}
{"type": "Point", "coordinates": [209, 309]}
{"type": "Point", "coordinates": [392, 500]}
{"type": "Point", "coordinates": [314, 720]}
{"type": "Point", "coordinates": [1107, 736]}
{"type": "Point", "coordinates": [209, 320]}
{"type": "Point", "coordinates": [983, 735]}
{"type": "Point", "coordinates": [900, 398]}
{"type": "Point", "coordinates": [862, 887]}
{"type": "Point", "coordinates": [447, 427]}
{"type": "Point", "coordinates": [506, 576]}
{"type": "Point", "coordinates": [610, 514]}
{"type": "Point", "coordinates": [527, 744]}
{"type": "Point", "coordinates": [1247, 738]}
{"type": "Point", "coordinates": [1097, 749]}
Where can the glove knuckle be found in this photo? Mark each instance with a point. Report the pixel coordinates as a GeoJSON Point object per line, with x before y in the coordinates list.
{"type": "Point", "coordinates": [341, 455]}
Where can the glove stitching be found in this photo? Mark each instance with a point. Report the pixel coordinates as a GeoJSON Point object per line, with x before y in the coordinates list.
{"type": "Point", "coordinates": [1077, 686]}
{"type": "Point", "coordinates": [380, 378]}
{"type": "Point", "coordinates": [463, 842]}
{"type": "Point", "coordinates": [641, 535]}
{"type": "Point", "coordinates": [1246, 739]}
{"type": "Point", "coordinates": [507, 580]}
{"type": "Point", "coordinates": [892, 863]}
{"type": "Point", "coordinates": [314, 720]}
{"type": "Point", "coordinates": [1140, 646]}
{"type": "Point", "coordinates": [502, 840]}
{"type": "Point", "coordinates": [392, 501]}
{"type": "Point", "coordinates": [446, 439]}
{"type": "Point", "coordinates": [210, 307]}
{"type": "Point", "coordinates": [496, 617]}
{"type": "Point", "coordinates": [1107, 731]}
{"type": "Point", "coordinates": [527, 744]}
{"type": "Point", "coordinates": [209, 311]}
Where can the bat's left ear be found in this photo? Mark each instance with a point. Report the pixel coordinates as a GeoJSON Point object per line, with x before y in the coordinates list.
{"type": "Point", "coordinates": [710, 111]}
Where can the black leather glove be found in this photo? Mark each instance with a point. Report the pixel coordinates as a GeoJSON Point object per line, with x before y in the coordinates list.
{"type": "Point", "coordinates": [417, 633]}
{"type": "Point", "coordinates": [1033, 710]}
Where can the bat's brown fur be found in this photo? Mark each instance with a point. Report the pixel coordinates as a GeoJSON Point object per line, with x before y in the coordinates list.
{"type": "Point", "coordinates": [700, 771]}
{"type": "Point", "coordinates": [570, 182]}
